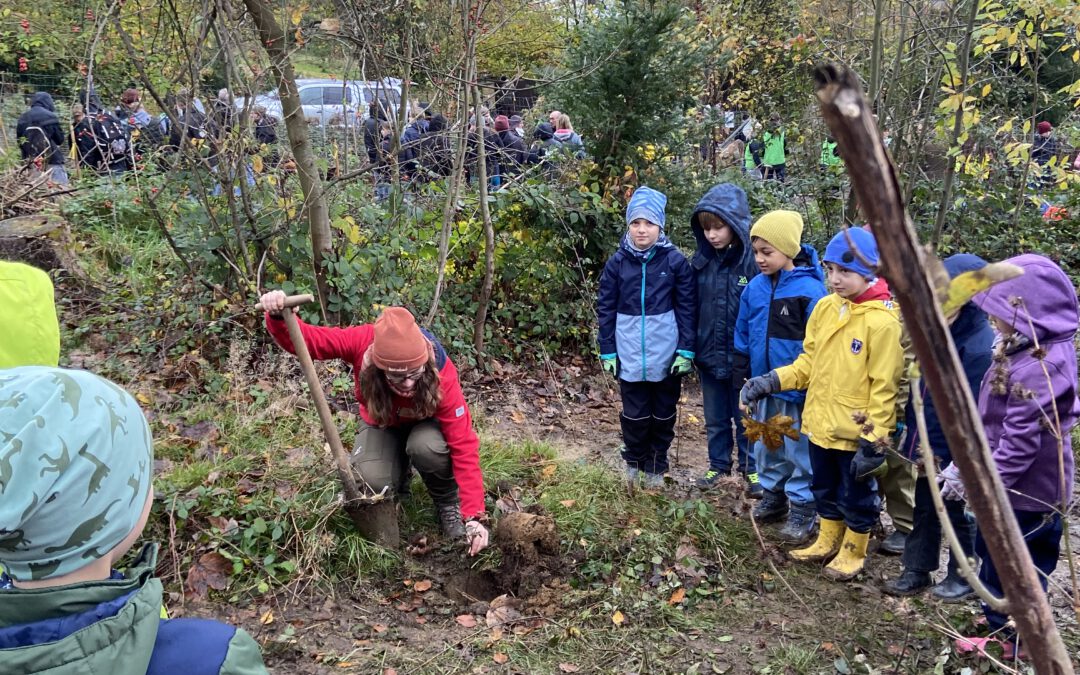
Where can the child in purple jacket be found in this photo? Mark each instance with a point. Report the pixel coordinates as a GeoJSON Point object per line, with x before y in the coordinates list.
{"type": "Point", "coordinates": [1035, 316]}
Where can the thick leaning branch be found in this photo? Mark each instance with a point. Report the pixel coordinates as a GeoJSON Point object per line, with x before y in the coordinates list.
{"type": "Point", "coordinates": [877, 186]}
{"type": "Point", "coordinates": [273, 40]}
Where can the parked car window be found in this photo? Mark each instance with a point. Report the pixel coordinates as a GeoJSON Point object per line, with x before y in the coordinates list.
{"type": "Point", "coordinates": [332, 95]}
{"type": "Point", "coordinates": [391, 95]}
{"type": "Point", "coordinates": [311, 96]}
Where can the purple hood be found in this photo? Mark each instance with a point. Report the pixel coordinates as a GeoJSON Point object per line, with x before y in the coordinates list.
{"type": "Point", "coordinates": [1017, 395]}
{"type": "Point", "coordinates": [1047, 295]}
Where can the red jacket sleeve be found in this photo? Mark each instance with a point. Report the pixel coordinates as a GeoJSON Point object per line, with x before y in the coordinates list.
{"type": "Point", "coordinates": [325, 343]}
{"type": "Point", "coordinates": [457, 428]}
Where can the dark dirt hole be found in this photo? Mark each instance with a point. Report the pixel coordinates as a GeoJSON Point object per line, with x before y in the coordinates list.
{"type": "Point", "coordinates": [473, 586]}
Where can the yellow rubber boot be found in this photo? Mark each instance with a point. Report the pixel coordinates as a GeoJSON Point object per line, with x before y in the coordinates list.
{"type": "Point", "coordinates": [825, 546]}
{"type": "Point", "coordinates": [850, 560]}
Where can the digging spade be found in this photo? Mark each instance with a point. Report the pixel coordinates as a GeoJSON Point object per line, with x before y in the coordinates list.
{"type": "Point", "coordinates": [373, 514]}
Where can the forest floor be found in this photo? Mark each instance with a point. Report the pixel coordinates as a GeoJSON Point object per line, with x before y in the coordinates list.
{"type": "Point", "coordinates": [675, 582]}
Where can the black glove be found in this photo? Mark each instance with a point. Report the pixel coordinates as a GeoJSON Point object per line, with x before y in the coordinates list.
{"type": "Point", "coordinates": [740, 368]}
{"type": "Point", "coordinates": [759, 387]}
{"type": "Point", "coordinates": [868, 461]}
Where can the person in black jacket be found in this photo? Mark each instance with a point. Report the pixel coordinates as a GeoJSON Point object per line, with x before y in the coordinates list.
{"type": "Point", "coordinates": [436, 155]}
{"type": "Point", "coordinates": [372, 135]}
{"type": "Point", "coordinates": [42, 139]}
{"type": "Point", "coordinates": [512, 151]}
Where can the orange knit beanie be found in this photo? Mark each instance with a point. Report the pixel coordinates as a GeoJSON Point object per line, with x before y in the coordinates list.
{"type": "Point", "coordinates": [399, 345]}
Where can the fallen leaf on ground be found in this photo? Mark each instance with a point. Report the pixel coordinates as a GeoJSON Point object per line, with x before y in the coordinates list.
{"type": "Point", "coordinates": [569, 668]}
{"type": "Point", "coordinates": [502, 612]}
{"type": "Point", "coordinates": [678, 596]}
{"type": "Point", "coordinates": [467, 620]}
{"type": "Point", "coordinates": [500, 658]}
{"type": "Point", "coordinates": [211, 570]}
{"type": "Point", "coordinates": [421, 620]}
{"type": "Point", "coordinates": [422, 586]}
{"type": "Point", "coordinates": [617, 618]}
{"type": "Point", "coordinates": [379, 628]}
{"type": "Point", "coordinates": [389, 671]}
{"type": "Point", "coordinates": [517, 416]}
{"type": "Point", "coordinates": [267, 617]}
{"type": "Point", "coordinates": [549, 471]}
{"type": "Point", "coordinates": [568, 502]}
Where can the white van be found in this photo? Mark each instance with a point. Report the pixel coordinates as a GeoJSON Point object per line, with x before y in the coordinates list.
{"type": "Point", "coordinates": [327, 102]}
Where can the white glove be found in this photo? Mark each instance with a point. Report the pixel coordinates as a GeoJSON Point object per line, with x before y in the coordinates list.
{"type": "Point", "coordinates": [951, 485]}
{"type": "Point", "coordinates": [477, 535]}
{"type": "Point", "coordinates": [273, 302]}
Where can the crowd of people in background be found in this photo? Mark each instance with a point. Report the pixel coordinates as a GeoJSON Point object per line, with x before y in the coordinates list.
{"type": "Point", "coordinates": [113, 141]}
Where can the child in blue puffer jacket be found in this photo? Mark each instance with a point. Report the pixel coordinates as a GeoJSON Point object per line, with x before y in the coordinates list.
{"type": "Point", "coordinates": [773, 313]}
{"type": "Point", "coordinates": [646, 315]}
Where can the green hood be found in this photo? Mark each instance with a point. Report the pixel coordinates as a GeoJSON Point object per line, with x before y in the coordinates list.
{"type": "Point", "coordinates": [118, 645]}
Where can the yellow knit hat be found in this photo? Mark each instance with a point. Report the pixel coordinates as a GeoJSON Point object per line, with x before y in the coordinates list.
{"type": "Point", "coordinates": [782, 229]}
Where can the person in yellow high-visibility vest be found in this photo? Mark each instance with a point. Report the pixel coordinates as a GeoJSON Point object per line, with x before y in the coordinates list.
{"type": "Point", "coordinates": [829, 158]}
{"type": "Point", "coordinates": [775, 159]}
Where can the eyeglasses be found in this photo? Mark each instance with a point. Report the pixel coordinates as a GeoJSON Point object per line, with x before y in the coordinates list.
{"type": "Point", "coordinates": [398, 378]}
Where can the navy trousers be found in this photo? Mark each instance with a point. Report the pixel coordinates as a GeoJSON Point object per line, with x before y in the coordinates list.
{"type": "Point", "coordinates": [722, 418]}
{"type": "Point", "coordinates": [922, 550]}
{"type": "Point", "coordinates": [648, 422]}
{"type": "Point", "coordinates": [838, 495]}
{"type": "Point", "coordinates": [1042, 534]}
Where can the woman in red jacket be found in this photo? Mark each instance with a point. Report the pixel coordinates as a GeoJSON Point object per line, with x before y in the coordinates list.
{"type": "Point", "coordinates": [412, 408]}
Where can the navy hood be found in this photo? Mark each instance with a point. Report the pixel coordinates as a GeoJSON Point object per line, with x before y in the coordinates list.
{"type": "Point", "coordinates": [971, 318]}
{"type": "Point", "coordinates": [42, 99]}
{"type": "Point", "coordinates": [728, 201]}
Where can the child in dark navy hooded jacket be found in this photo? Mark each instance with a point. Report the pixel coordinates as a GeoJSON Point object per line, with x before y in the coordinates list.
{"type": "Point", "coordinates": [645, 311]}
{"type": "Point", "coordinates": [974, 338]}
{"type": "Point", "coordinates": [723, 266]}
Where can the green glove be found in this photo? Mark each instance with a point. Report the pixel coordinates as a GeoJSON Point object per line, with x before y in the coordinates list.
{"type": "Point", "coordinates": [610, 364]}
{"type": "Point", "coordinates": [682, 365]}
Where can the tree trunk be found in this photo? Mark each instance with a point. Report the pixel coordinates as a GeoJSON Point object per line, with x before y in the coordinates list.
{"type": "Point", "coordinates": [958, 124]}
{"type": "Point", "coordinates": [457, 177]}
{"type": "Point", "coordinates": [903, 263]}
{"type": "Point", "coordinates": [274, 42]}
{"type": "Point", "coordinates": [489, 236]}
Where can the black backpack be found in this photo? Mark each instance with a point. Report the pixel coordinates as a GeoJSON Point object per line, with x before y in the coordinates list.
{"type": "Point", "coordinates": [37, 145]}
{"type": "Point", "coordinates": [112, 140]}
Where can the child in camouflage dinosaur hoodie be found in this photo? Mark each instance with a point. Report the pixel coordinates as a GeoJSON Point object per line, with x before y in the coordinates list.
{"type": "Point", "coordinates": [76, 463]}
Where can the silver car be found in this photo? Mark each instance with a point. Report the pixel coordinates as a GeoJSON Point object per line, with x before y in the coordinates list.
{"type": "Point", "coordinates": [328, 102]}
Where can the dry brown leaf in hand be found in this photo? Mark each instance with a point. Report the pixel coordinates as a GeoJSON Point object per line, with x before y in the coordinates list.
{"type": "Point", "coordinates": [770, 432]}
